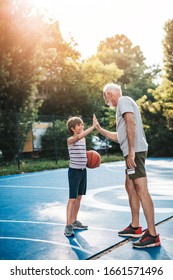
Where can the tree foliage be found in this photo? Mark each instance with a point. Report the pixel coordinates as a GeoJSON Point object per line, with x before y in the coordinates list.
{"type": "Point", "coordinates": [168, 50]}
{"type": "Point", "coordinates": [17, 69]}
{"type": "Point", "coordinates": [136, 77]}
{"type": "Point", "coordinates": [157, 107]}
{"type": "Point", "coordinates": [40, 73]}
{"type": "Point", "coordinates": [158, 135]}
{"type": "Point", "coordinates": [60, 75]}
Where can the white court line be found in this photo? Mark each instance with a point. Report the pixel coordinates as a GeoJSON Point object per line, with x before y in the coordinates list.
{"type": "Point", "coordinates": [46, 241]}
{"type": "Point", "coordinates": [166, 238]}
{"type": "Point", "coordinates": [111, 167]}
{"type": "Point", "coordinates": [59, 224]}
{"type": "Point", "coordinates": [32, 187]}
{"type": "Point", "coordinates": [149, 161]}
{"type": "Point", "coordinates": [21, 176]}
{"type": "Point", "coordinates": [31, 222]}
{"type": "Point", "coordinates": [168, 163]}
{"type": "Point", "coordinates": [163, 197]}
{"type": "Point", "coordinates": [91, 201]}
{"type": "Point", "coordinates": [51, 223]}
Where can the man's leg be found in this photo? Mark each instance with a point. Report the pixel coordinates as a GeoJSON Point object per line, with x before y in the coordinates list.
{"type": "Point", "coordinates": [134, 201]}
{"type": "Point", "coordinates": [141, 187]}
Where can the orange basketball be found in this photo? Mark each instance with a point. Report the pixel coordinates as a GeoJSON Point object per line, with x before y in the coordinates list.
{"type": "Point", "coordinates": [94, 159]}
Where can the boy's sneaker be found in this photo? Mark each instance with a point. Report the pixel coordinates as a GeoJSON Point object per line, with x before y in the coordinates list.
{"type": "Point", "coordinates": [69, 232]}
{"type": "Point", "coordinates": [147, 241]}
{"type": "Point", "coordinates": [79, 225]}
{"type": "Point", "coordinates": [131, 232]}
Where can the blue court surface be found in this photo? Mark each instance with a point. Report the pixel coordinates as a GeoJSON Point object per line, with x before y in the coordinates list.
{"type": "Point", "coordinates": [33, 215]}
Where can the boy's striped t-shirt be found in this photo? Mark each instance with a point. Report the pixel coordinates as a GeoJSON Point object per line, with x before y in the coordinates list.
{"type": "Point", "coordinates": [77, 154]}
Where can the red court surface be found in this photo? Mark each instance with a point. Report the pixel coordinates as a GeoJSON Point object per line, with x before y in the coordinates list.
{"type": "Point", "coordinates": [33, 213]}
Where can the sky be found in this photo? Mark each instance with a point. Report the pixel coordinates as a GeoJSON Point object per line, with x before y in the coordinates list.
{"type": "Point", "coordinates": [92, 21]}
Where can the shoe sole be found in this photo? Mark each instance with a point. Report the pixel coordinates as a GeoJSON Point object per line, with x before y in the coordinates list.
{"type": "Point", "coordinates": [80, 228]}
{"type": "Point", "coordinates": [147, 246]}
{"type": "Point", "coordinates": [69, 235]}
{"type": "Point", "coordinates": [130, 235]}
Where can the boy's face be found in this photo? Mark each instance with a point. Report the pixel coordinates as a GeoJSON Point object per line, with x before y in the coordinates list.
{"type": "Point", "coordinates": [78, 128]}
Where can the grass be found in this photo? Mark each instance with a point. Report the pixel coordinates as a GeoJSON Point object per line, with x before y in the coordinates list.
{"type": "Point", "coordinates": [9, 168]}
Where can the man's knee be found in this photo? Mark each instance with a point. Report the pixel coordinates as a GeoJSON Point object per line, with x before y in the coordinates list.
{"type": "Point", "coordinates": [129, 186]}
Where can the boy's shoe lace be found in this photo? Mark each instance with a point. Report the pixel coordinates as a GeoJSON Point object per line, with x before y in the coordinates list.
{"type": "Point", "coordinates": [79, 225]}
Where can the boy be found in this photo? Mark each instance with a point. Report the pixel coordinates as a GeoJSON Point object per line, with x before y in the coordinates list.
{"type": "Point", "coordinates": [77, 175]}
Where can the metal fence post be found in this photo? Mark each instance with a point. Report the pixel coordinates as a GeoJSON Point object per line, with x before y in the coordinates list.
{"type": "Point", "coordinates": [17, 141]}
{"type": "Point", "coordinates": [55, 142]}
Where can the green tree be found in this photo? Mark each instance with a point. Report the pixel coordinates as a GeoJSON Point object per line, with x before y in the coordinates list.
{"type": "Point", "coordinates": [158, 135]}
{"type": "Point", "coordinates": [18, 58]}
{"type": "Point", "coordinates": [136, 76]}
{"type": "Point", "coordinates": [167, 85]}
{"type": "Point", "coordinates": [18, 69]}
{"type": "Point", "coordinates": [73, 86]}
{"type": "Point", "coordinates": [60, 74]}
{"type": "Point", "coordinates": [60, 133]}
{"type": "Point", "coordinates": [95, 76]}
{"type": "Point", "coordinates": [157, 106]}
{"type": "Point", "coordinates": [168, 50]}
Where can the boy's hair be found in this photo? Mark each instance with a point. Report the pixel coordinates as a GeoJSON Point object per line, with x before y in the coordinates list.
{"type": "Point", "coordinates": [72, 122]}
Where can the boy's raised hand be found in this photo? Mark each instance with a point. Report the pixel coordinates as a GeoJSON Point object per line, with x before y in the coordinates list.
{"type": "Point", "coordinates": [95, 122]}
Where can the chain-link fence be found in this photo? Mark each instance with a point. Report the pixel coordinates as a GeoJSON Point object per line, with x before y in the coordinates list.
{"type": "Point", "coordinates": [24, 136]}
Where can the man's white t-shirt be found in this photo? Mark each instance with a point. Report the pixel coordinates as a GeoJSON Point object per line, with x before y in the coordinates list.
{"type": "Point", "coordinates": [127, 104]}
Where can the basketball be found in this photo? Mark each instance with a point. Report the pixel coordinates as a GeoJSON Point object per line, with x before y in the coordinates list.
{"type": "Point", "coordinates": [94, 159]}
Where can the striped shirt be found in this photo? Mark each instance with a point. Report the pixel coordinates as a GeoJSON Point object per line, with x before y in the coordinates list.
{"type": "Point", "coordinates": [77, 154]}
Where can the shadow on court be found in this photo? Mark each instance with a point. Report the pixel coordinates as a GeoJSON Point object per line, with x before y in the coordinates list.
{"type": "Point", "coordinates": [33, 214]}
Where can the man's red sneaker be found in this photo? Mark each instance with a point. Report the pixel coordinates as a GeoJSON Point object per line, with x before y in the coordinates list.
{"type": "Point", "coordinates": [147, 241]}
{"type": "Point", "coordinates": [131, 232]}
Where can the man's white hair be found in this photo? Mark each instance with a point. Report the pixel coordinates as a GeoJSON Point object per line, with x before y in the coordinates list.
{"type": "Point", "coordinates": [112, 87]}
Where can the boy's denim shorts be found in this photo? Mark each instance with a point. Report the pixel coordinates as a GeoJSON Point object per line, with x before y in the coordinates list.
{"type": "Point", "coordinates": [77, 182]}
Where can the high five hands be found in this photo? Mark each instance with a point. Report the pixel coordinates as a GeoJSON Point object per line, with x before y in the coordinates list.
{"type": "Point", "coordinates": [95, 122]}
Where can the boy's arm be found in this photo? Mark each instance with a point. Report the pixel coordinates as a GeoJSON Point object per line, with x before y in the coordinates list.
{"type": "Point", "coordinates": [73, 139]}
{"type": "Point", "coordinates": [108, 134]}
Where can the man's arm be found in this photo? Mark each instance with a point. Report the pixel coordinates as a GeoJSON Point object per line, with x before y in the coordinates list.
{"type": "Point", "coordinates": [108, 134]}
{"type": "Point", "coordinates": [130, 130]}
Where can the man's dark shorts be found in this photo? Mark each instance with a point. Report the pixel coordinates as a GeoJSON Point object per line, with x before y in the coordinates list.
{"type": "Point", "coordinates": [140, 170]}
{"type": "Point", "coordinates": [77, 182]}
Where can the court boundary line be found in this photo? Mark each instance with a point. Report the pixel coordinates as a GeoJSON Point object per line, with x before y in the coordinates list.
{"type": "Point", "coordinates": [28, 174]}
{"type": "Point", "coordinates": [53, 172]}
{"type": "Point", "coordinates": [45, 241]}
{"type": "Point", "coordinates": [54, 224]}
{"type": "Point", "coordinates": [32, 187]}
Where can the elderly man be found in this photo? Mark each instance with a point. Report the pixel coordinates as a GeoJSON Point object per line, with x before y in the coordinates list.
{"type": "Point", "coordinates": [131, 137]}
